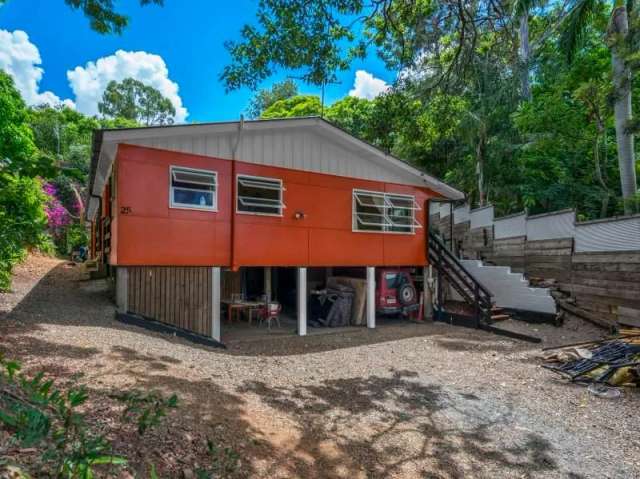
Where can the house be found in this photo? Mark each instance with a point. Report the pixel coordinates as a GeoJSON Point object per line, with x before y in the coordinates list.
{"type": "Point", "coordinates": [174, 208]}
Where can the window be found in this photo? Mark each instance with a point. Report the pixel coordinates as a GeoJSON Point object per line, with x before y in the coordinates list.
{"type": "Point", "coordinates": [401, 213]}
{"type": "Point", "coordinates": [259, 196]}
{"type": "Point", "coordinates": [195, 189]}
{"type": "Point", "coordinates": [384, 212]}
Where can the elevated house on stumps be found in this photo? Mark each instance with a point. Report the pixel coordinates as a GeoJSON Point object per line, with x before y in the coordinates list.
{"type": "Point", "coordinates": [188, 216]}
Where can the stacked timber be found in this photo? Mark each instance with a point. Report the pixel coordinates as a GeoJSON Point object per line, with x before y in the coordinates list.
{"type": "Point", "coordinates": [606, 286]}
{"type": "Point", "coordinates": [477, 243]}
{"type": "Point", "coordinates": [549, 259]}
{"type": "Point", "coordinates": [509, 252]}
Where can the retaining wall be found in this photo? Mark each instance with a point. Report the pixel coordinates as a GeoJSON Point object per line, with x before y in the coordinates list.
{"type": "Point", "coordinates": [596, 262]}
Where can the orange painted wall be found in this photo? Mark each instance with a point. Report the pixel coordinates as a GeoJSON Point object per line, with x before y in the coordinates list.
{"type": "Point", "coordinates": [152, 233]}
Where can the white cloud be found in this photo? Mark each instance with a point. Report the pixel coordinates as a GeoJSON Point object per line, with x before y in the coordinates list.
{"type": "Point", "coordinates": [89, 82]}
{"type": "Point", "coordinates": [367, 86]}
{"type": "Point", "coordinates": [20, 59]}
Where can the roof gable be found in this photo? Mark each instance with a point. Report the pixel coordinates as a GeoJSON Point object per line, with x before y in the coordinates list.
{"type": "Point", "coordinates": [308, 144]}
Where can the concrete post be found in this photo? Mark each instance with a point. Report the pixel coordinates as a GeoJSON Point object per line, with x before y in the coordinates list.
{"type": "Point", "coordinates": [215, 303]}
{"type": "Point", "coordinates": [302, 301]}
{"type": "Point", "coordinates": [371, 297]}
{"type": "Point", "coordinates": [427, 299]}
{"type": "Point", "coordinates": [122, 289]}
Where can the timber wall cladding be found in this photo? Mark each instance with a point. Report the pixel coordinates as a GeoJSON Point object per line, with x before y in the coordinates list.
{"type": "Point", "coordinates": [179, 296]}
{"type": "Point", "coordinates": [606, 284]}
{"type": "Point", "coordinates": [508, 252]}
{"type": "Point", "coordinates": [549, 258]}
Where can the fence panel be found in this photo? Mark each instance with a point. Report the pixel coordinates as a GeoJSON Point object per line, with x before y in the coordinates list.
{"type": "Point", "coordinates": [622, 234]}
{"type": "Point", "coordinates": [556, 225]}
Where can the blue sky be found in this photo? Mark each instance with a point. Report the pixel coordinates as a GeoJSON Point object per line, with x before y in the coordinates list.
{"type": "Point", "coordinates": [188, 36]}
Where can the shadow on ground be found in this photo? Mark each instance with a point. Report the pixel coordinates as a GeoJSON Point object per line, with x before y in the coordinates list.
{"type": "Point", "coordinates": [386, 426]}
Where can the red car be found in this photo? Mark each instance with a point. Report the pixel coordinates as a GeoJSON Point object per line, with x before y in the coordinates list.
{"type": "Point", "coordinates": [395, 292]}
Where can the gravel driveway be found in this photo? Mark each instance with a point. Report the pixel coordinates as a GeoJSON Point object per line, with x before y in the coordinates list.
{"type": "Point", "coordinates": [430, 401]}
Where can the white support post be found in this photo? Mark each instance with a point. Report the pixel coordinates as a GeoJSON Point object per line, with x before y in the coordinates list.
{"type": "Point", "coordinates": [427, 298]}
{"type": "Point", "coordinates": [122, 289]}
{"type": "Point", "coordinates": [371, 297]}
{"type": "Point", "coordinates": [215, 303]}
{"type": "Point", "coordinates": [302, 301]}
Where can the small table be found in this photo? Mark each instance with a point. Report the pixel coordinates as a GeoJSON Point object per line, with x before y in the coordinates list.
{"type": "Point", "coordinates": [239, 306]}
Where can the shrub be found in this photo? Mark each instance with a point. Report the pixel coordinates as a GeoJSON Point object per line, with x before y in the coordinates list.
{"type": "Point", "coordinates": [22, 221]}
{"type": "Point", "coordinates": [40, 416]}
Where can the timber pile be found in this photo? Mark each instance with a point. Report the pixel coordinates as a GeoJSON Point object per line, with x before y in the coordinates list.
{"type": "Point", "coordinates": [609, 362]}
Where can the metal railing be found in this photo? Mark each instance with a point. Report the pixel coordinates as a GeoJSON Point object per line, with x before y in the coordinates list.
{"type": "Point", "coordinates": [449, 267]}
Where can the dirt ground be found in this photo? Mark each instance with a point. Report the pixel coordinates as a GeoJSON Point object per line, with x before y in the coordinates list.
{"type": "Point", "coordinates": [429, 401]}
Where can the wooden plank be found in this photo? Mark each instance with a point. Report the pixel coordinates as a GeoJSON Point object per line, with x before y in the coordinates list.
{"type": "Point", "coordinates": [131, 289]}
{"type": "Point", "coordinates": [610, 300]}
{"type": "Point", "coordinates": [609, 275]}
{"type": "Point", "coordinates": [606, 258]}
{"type": "Point", "coordinates": [157, 310]}
{"type": "Point", "coordinates": [178, 298]}
{"type": "Point", "coordinates": [565, 259]}
{"type": "Point", "coordinates": [171, 299]}
{"type": "Point", "coordinates": [551, 243]}
{"type": "Point", "coordinates": [607, 284]}
{"type": "Point", "coordinates": [608, 292]}
{"type": "Point", "coordinates": [161, 294]}
{"type": "Point", "coordinates": [622, 267]}
{"type": "Point", "coordinates": [190, 307]}
{"type": "Point", "coordinates": [208, 309]}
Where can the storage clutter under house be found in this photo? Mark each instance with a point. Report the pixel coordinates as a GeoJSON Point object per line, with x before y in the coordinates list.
{"type": "Point", "coordinates": [331, 307]}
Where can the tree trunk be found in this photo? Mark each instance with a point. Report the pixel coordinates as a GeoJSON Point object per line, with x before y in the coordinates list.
{"type": "Point", "coordinates": [525, 54]}
{"type": "Point", "coordinates": [618, 32]}
{"type": "Point", "coordinates": [480, 151]}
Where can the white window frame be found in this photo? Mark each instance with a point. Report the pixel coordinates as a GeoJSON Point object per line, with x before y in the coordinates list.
{"type": "Point", "coordinates": [185, 206]}
{"type": "Point", "coordinates": [386, 222]}
{"type": "Point", "coordinates": [281, 190]}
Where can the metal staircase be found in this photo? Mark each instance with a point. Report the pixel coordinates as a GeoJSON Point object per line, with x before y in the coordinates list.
{"type": "Point", "coordinates": [451, 270]}
{"type": "Point", "coordinates": [477, 298]}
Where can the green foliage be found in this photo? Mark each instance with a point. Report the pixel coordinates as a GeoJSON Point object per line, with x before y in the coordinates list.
{"type": "Point", "coordinates": [147, 408]}
{"type": "Point", "coordinates": [352, 114]}
{"type": "Point", "coordinates": [224, 462]}
{"type": "Point", "coordinates": [102, 15]}
{"type": "Point", "coordinates": [459, 108]}
{"type": "Point", "coordinates": [300, 105]}
{"type": "Point", "coordinates": [22, 221]}
{"type": "Point", "coordinates": [39, 415]}
{"type": "Point", "coordinates": [18, 153]}
{"type": "Point", "coordinates": [22, 217]}
{"type": "Point", "coordinates": [135, 101]}
{"type": "Point", "coordinates": [295, 34]}
{"type": "Point", "coordinates": [267, 97]}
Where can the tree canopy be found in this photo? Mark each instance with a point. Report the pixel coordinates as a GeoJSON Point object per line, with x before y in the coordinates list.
{"type": "Point", "coordinates": [525, 104]}
{"type": "Point", "coordinates": [266, 97]}
{"type": "Point", "coordinates": [133, 100]}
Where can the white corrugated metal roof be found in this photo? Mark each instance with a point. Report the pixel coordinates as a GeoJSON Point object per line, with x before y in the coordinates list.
{"type": "Point", "coordinates": [308, 144]}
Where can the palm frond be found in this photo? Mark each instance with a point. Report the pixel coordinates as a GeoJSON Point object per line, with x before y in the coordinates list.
{"type": "Point", "coordinates": [575, 24]}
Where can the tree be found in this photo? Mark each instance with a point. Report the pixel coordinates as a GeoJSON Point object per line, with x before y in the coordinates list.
{"type": "Point", "coordinates": [17, 148]}
{"type": "Point", "coordinates": [268, 96]}
{"type": "Point", "coordinates": [133, 100]}
{"type": "Point", "coordinates": [300, 105]}
{"type": "Point", "coordinates": [102, 15]}
{"type": "Point", "coordinates": [22, 217]}
{"type": "Point", "coordinates": [620, 41]}
{"type": "Point", "coordinates": [316, 39]}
